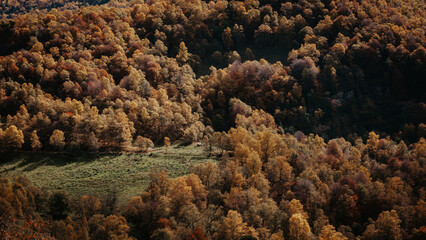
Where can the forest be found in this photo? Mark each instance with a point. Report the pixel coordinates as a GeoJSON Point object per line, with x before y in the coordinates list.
{"type": "Point", "coordinates": [314, 109]}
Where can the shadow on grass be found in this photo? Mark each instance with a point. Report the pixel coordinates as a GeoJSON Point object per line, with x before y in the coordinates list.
{"type": "Point", "coordinates": [29, 161]}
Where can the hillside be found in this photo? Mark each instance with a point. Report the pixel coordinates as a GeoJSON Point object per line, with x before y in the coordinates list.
{"type": "Point", "coordinates": [312, 114]}
{"type": "Point", "coordinates": [181, 70]}
{"type": "Point", "coordinates": [100, 174]}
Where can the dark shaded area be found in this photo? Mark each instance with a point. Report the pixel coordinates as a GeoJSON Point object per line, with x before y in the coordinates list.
{"type": "Point", "coordinates": [10, 9]}
{"type": "Point", "coordinates": [32, 160]}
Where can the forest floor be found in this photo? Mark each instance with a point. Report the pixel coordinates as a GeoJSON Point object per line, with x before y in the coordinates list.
{"type": "Point", "coordinates": [98, 174]}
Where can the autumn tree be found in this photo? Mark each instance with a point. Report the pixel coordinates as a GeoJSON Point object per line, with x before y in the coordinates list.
{"type": "Point", "coordinates": [35, 141]}
{"type": "Point", "coordinates": [93, 142]}
{"type": "Point", "coordinates": [221, 141]}
{"type": "Point", "coordinates": [209, 174]}
{"type": "Point", "coordinates": [89, 205]}
{"type": "Point", "coordinates": [180, 195]}
{"type": "Point", "coordinates": [182, 56]}
{"type": "Point", "coordinates": [143, 144]}
{"type": "Point", "coordinates": [11, 139]}
{"type": "Point", "coordinates": [29, 229]}
{"type": "Point", "coordinates": [166, 144]}
{"type": "Point", "coordinates": [387, 226]}
{"type": "Point", "coordinates": [57, 139]}
{"type": "Point", "coordinates": [197, 234]}
{"type": "Point", "coordinates": [233, 227]}
{"type": "Point", "coordinates": [208, 144]}
{"type": "Point", "coordinates": [329, 233]}
{"type": "Point", "coordinates": [116, 227]}
{"type": "Point", "coordinates": [298, 227]}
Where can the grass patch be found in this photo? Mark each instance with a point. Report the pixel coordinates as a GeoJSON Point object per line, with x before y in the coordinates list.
{"type": "Point", "coordinates": [99, 173]}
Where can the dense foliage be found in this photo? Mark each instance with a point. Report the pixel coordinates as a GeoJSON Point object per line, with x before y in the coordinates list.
{"type": "Point", "coordinates": [269, 185]}
{"type": "Point", "coordinates": [125, 71]}
{"type": "Point", "coordinates": [245, 78]}
{"type": "Point", "coordinates": [12, 8]}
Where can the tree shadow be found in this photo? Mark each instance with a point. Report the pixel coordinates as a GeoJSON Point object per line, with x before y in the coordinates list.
{"type": "Point", "coordinates": [29, 161]}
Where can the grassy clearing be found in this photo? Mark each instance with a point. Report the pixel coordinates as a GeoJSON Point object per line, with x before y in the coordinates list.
{"type": "Point", "coordinates": [99, 173]}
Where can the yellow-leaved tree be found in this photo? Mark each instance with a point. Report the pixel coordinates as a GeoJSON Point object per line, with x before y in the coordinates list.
{"type": "Point", "coordinates": [57, 139]}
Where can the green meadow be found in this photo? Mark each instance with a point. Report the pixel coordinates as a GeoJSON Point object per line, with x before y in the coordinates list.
{"type": "Point", "coordinates": [98, 174]}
